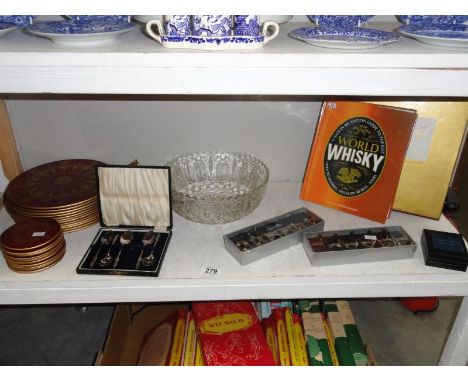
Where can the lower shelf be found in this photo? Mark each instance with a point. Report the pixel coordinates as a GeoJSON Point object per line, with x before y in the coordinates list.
{"type": "Point", "coordinates": [195, 247]}
{"type": "Point", "coordinates": [269, 333]}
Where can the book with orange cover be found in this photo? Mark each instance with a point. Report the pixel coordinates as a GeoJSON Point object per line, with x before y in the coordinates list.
{"type": "Point", "coordinates": [356, 158]}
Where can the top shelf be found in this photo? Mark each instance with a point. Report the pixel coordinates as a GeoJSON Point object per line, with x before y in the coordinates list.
{"type": "Point", "coordinates": [136, 64]}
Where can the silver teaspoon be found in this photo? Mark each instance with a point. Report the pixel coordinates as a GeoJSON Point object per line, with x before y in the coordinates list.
{"type": "Point", "coordinates": [125, 239]}
{"type": "Point", "coordinates": [149, 260]}
{"type": "Point", "coordinates": [108, 258]}
{"type": "Point", "coordinates": [107, 238]}
{"type": "Point", "coordinates": [147, 239]}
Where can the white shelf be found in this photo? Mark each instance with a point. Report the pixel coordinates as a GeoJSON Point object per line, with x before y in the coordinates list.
{"type": "Point", "coordinates": [136, 64]}
{"type": "Point", "coordinates": [283, 275]}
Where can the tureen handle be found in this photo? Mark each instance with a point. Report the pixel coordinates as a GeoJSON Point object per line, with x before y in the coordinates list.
{"type": "Point", "coordinates": [159, 30]}
{"type": "Point", "coordinates": [270, 30]}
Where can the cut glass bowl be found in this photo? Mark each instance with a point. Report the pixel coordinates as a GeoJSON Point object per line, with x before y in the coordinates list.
{"type": "Point", "coordinates": [217, 187]}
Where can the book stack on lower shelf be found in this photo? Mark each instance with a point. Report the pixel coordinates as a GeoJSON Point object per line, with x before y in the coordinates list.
{"type": "Point", "coordinates": [235, 333]}
{"type": "Point", "coordinates": [313, 333]}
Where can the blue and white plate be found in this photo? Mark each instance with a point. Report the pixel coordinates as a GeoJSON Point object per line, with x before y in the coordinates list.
{"type": "Point", "coordinates": [452, 36]}
{"type": "Point", "coordinates": [80, 33]}
{"type": "Point", "coordinates": [340, 21]}
{"type": "Point", "coordinates": [18, 20]}
{"type": "Point", "coordinates": [431, 20]}
{"type": "Point", "coordinates": [104, 18]}
{"type": "Point", "coordinates": [337, 38]}
{"type": "Point", "coordinates": [6, 28]}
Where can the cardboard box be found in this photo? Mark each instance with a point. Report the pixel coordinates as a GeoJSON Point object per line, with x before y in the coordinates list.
{"type": "Point", "coordinates": [126, 332]}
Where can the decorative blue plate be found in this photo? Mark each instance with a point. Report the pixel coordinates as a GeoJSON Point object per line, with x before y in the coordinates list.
{"type": "Point", "coordinates": [448, 35]}
{"type": "Point", "coordinates": [105, 18]}
{"type": "Point", "coordinates": [339, 21]}
{"type": "Point", "coordinates": [430, 20]}
{"type": "Point", "coordinates": [18, 20]}
{"type": "Point", "coordinates": [4, 25]}
{"type": "Point", "coordinates": [337, 38]}
{"type": "Point", "coordinates": [80, 33]}
{"type": "Point", "coordinates": [79, 27]}
{"type": "Point", "coordinates": [6, 28]}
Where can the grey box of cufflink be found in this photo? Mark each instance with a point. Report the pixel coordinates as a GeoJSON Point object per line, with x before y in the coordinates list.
{"type": "Point", "coordinates": [360, 255]}
{"type": "Point", "coordinates": [272, 235]}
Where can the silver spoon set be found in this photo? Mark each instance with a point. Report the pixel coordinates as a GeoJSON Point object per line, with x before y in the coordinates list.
{"type": "Point", "coordinates": [109, 238]}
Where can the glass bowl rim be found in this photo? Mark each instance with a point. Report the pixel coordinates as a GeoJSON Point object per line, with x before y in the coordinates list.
{"type": "Point", "coordinates": [233, 153]}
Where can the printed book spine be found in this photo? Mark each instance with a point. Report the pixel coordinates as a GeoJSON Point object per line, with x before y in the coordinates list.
{"type": "Point", "coordinates": [352, 332]}
{"type": "Point", "coordinates": [178, 341]}
{"type": "Point", "coordinates": [190, 343]}
{"type": "Point", "coordinates": [270, 334]}
{"type": "Point", "coordinates": [299, 340]}
{"type": "Point", "coordinates": [331, 345]}
{"type": "Point", "coordinates": [316, 338]}
{"type": "Point", "coordinates": [290, 332]}
{"type": "Point", "coordinates": [199, 361]}
{"type": "Point", "coordinates": [283, 348]}
{"type": "Point", "coordinates": [307, 174]}
{"type": "Point", "coordinates": [338, 333]}
{"type": "Point", "coordinates": [265, 309]}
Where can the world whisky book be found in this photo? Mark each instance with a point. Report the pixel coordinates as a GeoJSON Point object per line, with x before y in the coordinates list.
{"type": "Point", "coordinates": [356, 157]}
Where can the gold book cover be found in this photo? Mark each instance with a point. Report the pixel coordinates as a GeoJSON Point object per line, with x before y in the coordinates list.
{"type": "Point", "coordinates": [431, 157]}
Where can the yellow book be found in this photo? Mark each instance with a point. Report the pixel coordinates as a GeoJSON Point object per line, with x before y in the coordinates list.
{"type": "Point", "coordinates": [198, 355]}
{"type": "Point", "coordinates": [283, 348]}
{"type": "Point", "coordinates": [431, 157]}
{"type": "Point", "coordinates": [178, 341]}
{"type": "Point", "coordinates": [190, 342]}
{"type": "Point", "coordinates": [270, 334]}
{"type": "Point", "coordinates": [289, 329]}
{"type": "Point", "coordinates": [331, 345]}
{"type": "Point", "coordinates": [299, 340]}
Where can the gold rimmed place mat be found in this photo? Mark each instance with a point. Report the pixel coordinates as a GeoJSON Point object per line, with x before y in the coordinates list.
{"type": "Point", "coordinates": [91, 201]}
{"type": "Point", "coordinates": [73, 215]}
{"type": "Point", "coordinates": [42, 267]}
{"type": "Point", "coordinates": [78, 228]}
{"type": "Point", "coordinates": [67, 223]}
{"type": "Point", "coordinates": [51, 209]}
{"type": "Point", "coordinates": [42, 262]}
{"type": "Point", "coordinates": [30, 234]}
{"type": "Point", "coordinates": [54, 185]}
{"type": "Point", "coordinates": [29, 256]}
{"type": "Point", "coordinates": [85, 207]}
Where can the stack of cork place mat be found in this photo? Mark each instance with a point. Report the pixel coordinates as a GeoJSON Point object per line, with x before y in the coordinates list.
{"type": "Point", "coordinates": [64, 190]}
{"type": "Point", "coordinates": [33, 245]}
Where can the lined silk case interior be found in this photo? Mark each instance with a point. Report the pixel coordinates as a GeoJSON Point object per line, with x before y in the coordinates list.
{"type": "Point", "coordinates": [135, 196]}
